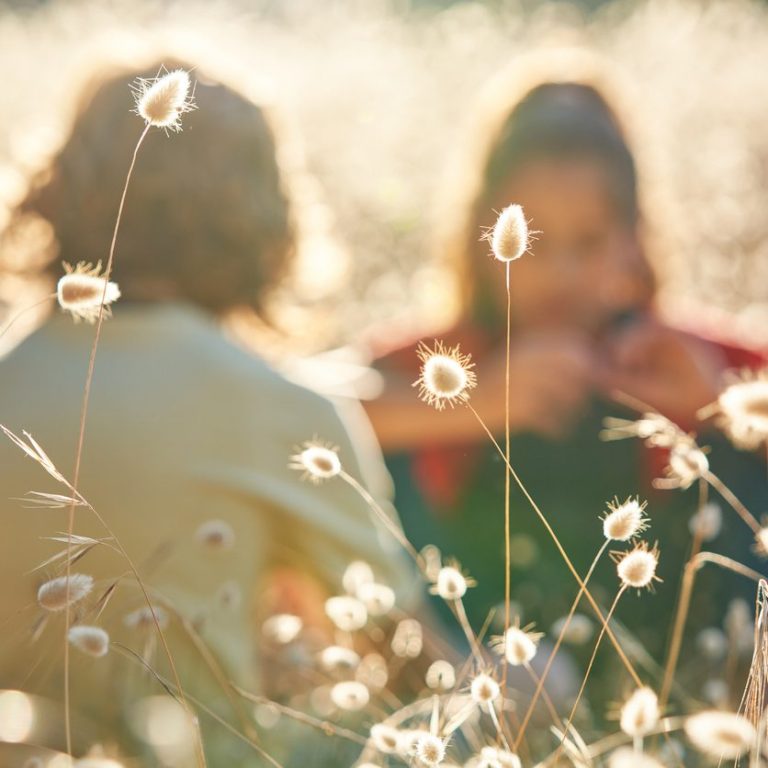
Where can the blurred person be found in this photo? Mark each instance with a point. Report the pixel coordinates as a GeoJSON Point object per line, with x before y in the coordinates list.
{"type": "Point", "coordinates": [583, 325]}
{"type": "Point", "coordinates": [188, 436]}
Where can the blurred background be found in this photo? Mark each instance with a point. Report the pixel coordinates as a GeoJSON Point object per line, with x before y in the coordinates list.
{"type": "Point", "coordinates": [376, 94]}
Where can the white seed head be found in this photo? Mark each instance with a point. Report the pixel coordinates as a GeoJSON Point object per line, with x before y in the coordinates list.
{"type": "Point", "coordinates": [441, 676]}
{"type": "Point", "coordinates": [446, 375]}
{"type": "Point", "coordinates": [216, 534]}
{"type": "Point", "coordinates": [355, 575]}
{"type": "Point", "coordinates": [373, 672]}
{"type": "Point", "coordinates": [53, 594]}
{"type": "Point", "coordinates": [637, 568]}
{"type": "Point", "coordinates": [517, 645]}
{"type": "Point", "coordinates": [509, 238]}
{"type": "Point", "coordinates": [318, 462]}
{"type": "Point", "coordinates": [451, 583]}
{"type": "Point", "coordinates": [626, 757]}
{"type": "Point", "coordinates": [579, 629]}
{"type": "Point", "coordinates": [761, 542]}
{"type": "Point", "coordinates": [337, 657]}
{"type": "Point", "coordinates": [93, 641]}
{"type": "Point", "coordinates": [687, 463]}
{"type": "Point", "coordinates": [706, 522]}
{"type": "Point", "coordinates": [282, 628]}
{"type": "Point", "coordinates": [722, 735]}
{"type": "Point", "coordinates": [80, 291]}
{"type": "Point", "coordinates": [430, 749]}
{"type": "Point", "coordinates": [144, 619]}
{"type": "Point", "coordinates": [744, 410]}
{"type": "Point", "coordinates": [350, 695]}
{"type": "Point", "coordinates": [385, 738]}
{"type": "Point", "coordinates": [379, 599]}
{"type": "Point", "coordinates": [163, 100]}
{"type": "Point", "coordinates": [640, 713]}
{"type": "Point", "coordinates": [408, 639]}
{"type": "Point", "coordinates": [625, 521]}
{"type": "Point", "coordinates": [346, 612]}
{"type": "Point", "coordinates": [484, 689]}
{"type": "Point", "coordinates": [494, 757]}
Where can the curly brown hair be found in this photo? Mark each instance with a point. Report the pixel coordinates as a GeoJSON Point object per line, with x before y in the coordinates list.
{"type": "Point", "coordinates": [207, 217]}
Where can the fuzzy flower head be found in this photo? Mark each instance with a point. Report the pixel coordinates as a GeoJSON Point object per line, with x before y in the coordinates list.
{"type": "Point", "coordinates": [441, 676]}
{"type": "Point", "coordinates": [494, 757]}
{"type": "Point", "coordinates": [385, 738]}
{"type": "Point", "coordinates": [350, 695]}
{"type": "Point", "coordinates": [317, 461]}
{"type": "Point", "coordinates": [347, 613]}
{"type": "Point", "coordinates": [722, 735]}
{"type": "Point", "coordinates": [93, 641]}
{"type": "Point", "coordinates": [640, 713]}
{"type": "Point", "coordinates": [162, 100]}
{"type": "Point", "coordinates": [379, 599]}
{"type": "Point", "coordinates": [446, 375]}
{"type": "Point", "coordinates": [282, 628]}
{"type": "Point", "coordinates": [81, 289]}
{"type": "Point", "coordinates": [509, 236]}
{"type": "Point", "coordinates": [637, 568]}
{"type": "Point", "coordinates": [57, 594]}
{"type": "Point", "coordinates": [451, 583]}
{"type": "Point", "coordinates": [626, 757]}
{"type": "Point", "coordinates": [518, 646]}
{"type": "Point", "coordinates": [337, 657]}
{"type": "Point", "coordinates": [430, 750]}
{"type": "Point", "coordinates": [624, 521]}
{"type": "Point", "coordinates": [743, 409]}
{"type": "Point", "coordinates": [687, 463]}
{"type": "Point", "coordinates": [484, 689]}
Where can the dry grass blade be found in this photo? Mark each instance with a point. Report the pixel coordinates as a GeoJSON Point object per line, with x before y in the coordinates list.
{"type": "Point", "coordinates": [753, 700]}
{"type": "Point", "coordinates": [40, 500]}
{"type": "Point", "coordinates": [35, 452]}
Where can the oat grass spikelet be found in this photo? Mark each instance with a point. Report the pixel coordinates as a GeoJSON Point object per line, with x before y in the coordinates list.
{"type": "Point", "coordinates": [637, 568]}
{"type": "Point", "coordinates": [446, 375]}
{"type": "Point", "coordinates": [624, 521]}
{"type": "Point", "coordinates": [93, 641]}
{"type": "Point", "coordinates": [510, 236]}
{"type": "Point", "coordinates": [53, 594]}
{"type": "Point", "coordinates": [162, 100]}
{"type": "Point", "coordinates": [722, 735]}
{"type": "Point", "coordinates": [317, 461]}
{"type": "Point", "coordinates": [80, 291]}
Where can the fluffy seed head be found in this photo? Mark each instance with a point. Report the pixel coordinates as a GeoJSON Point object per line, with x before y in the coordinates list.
{"type": "Point", "coordinates": [446, 375]}
{"type": "Point", "coordinates": [53, 594]}
{"type": "Point", "coordinates": [637, 568]}
{"type": "Point", "coordinates": [379, 599]}
{"type": "Point", "coordinates": [346, 612]}
{"type": "Point", "coordinates": [385, 738]}
{"type": "Point", "coordinates": [640, 713]}
{"type": "Point", "coordinates": [430, 749]}
{"type": "Point", "coordinates": [350, 695]}
{"type": "Point", "coordinates": [216, 534]}
{"type": "Point", "coordinates": [408, 639]}
{"type": "Point", "coordinates": [337, 657]}
{"type": "Point", "coordinates": [161, 101]}
{"type": "Point", "coordinates": [624, 521]}
{"type": "Point", "coordinates": [743, 408]}
{"type": "Point", "coordinates": [282, 628]}
{"type": "Point", "coordinates": [509, 238]}
{"type": "Point", "coordinates": [80, 290]}
{"type": "Point", "coordinates": [355, 575]}
{"type": "Point", "coordinates": [93, 641]}
{"type": "Point", "coordinates": [441, 676]}
{"type": "Point", "coordinates": [761, 542]}
{"type": "Point", "coordinates": [517, 645]}
{"type": "Point", "coordinates": [722, 735]}
{"type": "Point", "coordinates": [493, 757]}
{"type": "Point", "coordinates": [706, 522]}
{"type": "Point", "coordinates": [317, 461]}
{"type": "Point", "coordinates": [144, 618]}
{"type": "Point", "coordinates": [484, 689]}
{"type": "Point", "coordinates": [451, 583]}
{"type": "Point", "coordinates": [687, 463]}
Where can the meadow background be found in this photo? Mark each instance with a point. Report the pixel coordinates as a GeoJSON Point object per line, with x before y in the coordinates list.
{"type": "Point", "coordinates": [376, 94]}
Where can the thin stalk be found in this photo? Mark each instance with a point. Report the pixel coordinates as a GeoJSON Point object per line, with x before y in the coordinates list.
{"type": "Point", "coordinates": [25, 310]}
{"type": "Point", "coordinates": [558, 643]}
{"type": "Point", "coordinates": [734, 502]}
{"type": "Point", "coordinates": [589, 669]}
{"type": "Point", "coordinates": [683, 605]}
{"type": "Point", "coordinates": [507, 487]}
{"type": "Point", "coordinates": [612, 637]}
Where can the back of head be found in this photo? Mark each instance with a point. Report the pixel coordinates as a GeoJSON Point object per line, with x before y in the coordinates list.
{"type": "Point", "coordinates": [207, 217]}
